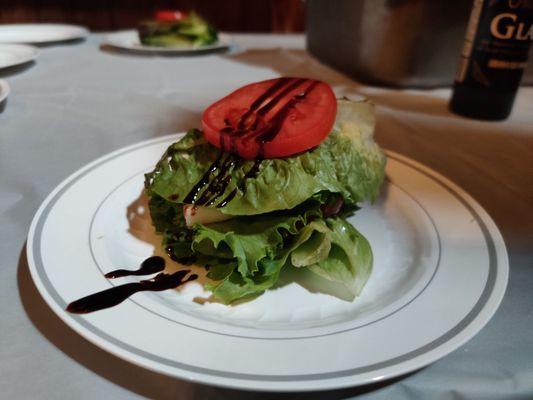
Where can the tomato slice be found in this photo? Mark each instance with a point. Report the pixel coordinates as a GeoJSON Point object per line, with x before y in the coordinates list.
{"type": "Point", "coordinates": [271, 119]}
{"type": "Point", "coordinates": [169, 15]}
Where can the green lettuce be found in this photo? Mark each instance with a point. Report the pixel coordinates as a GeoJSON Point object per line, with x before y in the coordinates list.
{"type": "Point", "coordinates": [246, 254]}
{"type": "Point", "coordinates": [322, 246]}
{"type": "Point", "coordinates": [193, 30]}
{"type": "Point", "coordinates": [282, 217]}
{"type": "Point", "coordinates": [347, 162]}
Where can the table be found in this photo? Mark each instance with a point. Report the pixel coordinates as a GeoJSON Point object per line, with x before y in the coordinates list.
{"type": "Point", "coordinates": [78, 102]}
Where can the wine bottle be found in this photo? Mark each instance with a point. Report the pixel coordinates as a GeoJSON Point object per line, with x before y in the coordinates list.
{"type": "Point", "coordinates": [493, 59]}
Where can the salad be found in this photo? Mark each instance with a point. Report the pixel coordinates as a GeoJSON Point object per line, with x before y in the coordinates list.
{"type": "Point", "coordinates": [267, 184]}
{"type": "Point", "coordinates": [177, 29]}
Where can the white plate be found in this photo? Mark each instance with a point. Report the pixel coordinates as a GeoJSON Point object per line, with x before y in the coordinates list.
{"type": "Point", "coordinates": [4, 91]}
{"type": "Point", "coordinates": [439, 275]}
{"type": "Point", "coordinates": [16, 54]}
{"type": "Point", "coordinates": [129, 40]}
{"type": "Point", "coordinates": [40, 33]}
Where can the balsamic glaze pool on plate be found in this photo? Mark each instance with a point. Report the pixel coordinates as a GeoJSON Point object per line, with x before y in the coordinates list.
{"type": "Point", "coordinates": [149, 266]}
{"type": "Point", "coordinates": [116, 295]}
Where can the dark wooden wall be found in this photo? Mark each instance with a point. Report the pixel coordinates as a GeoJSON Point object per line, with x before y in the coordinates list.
{"type": "Point", "coordinates": [106, 15]}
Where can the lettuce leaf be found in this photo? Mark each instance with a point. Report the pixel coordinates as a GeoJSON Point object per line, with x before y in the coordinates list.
{"type": "Point", "coordinates": [331, 248]}
{"type": "Point", "coordinates": [347, 162]}
{"type": "Point", "coordinates": [250, 239]}
{"type": "Point", "coordinates": [349, 260]}
{"type": "Point", "coordinates": [245, 255]}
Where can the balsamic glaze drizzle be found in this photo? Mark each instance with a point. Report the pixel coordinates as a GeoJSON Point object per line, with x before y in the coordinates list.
{"type": "Point", "coordinates": [191, 196]}
{"type": "Point", "coordinates": [250, 125]}
{"type": "Point", "coordinates": [116, 295]}
{"type": "Point", "coordinates": [252, 173]}
{"type": "Point", "coordinates": [149, 266]}
{"type": "Point", "coordinates": [268, 133]}
{"type": "Point", "coordinates": [268, 106]}
{"type": "Point", "coordinates": [261, 99]}
{"type": "Point", "coordinates": [218, 185]}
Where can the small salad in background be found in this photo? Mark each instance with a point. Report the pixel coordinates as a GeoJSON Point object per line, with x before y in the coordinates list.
{"type": "Point", "coordinates": [268, 184]}
{"type": "Point", "coordinates": [177, 29]}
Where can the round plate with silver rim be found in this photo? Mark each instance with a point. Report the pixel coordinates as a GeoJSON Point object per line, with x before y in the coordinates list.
{"type": "Point", "coordinates": [440, 272]}
{"type": "Point", "coordinates": [129, 41]}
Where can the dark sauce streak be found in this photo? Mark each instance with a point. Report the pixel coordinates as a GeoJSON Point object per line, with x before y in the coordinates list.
{"type": "Point", "coordinates": [225, 131]}
{"type": "Point", "coordinates": [227, 199]}
{"type": "Point", "coordinates": [193, 194]}
{"type": "Point", "coordinates": [249, 120]}
{"type": "Point", "coordinates": [271, 104]}
{"type": "Point", "coordinates": [252, 119]}
{"type": "Point", "coordinates": [275, 123]}
{"type": "Point", "coordinates": [273, 127]}
{"type": "Point", "coordinates": [218, 185]}
{"type": "Point", "coordinates": [252, 173]}
{"type": "Point", "coordinates": [233, 145]}
{"type": "Point", "coordinates": [260, 100]}
{"type": "Point", "coordinates": [249, 126]}
{"type": "Point", "coordinates": [116, 295]}
{"type": "Point", "coordinates": [218, 191]}
{"type": "Point", "coordinates": [149, 266]}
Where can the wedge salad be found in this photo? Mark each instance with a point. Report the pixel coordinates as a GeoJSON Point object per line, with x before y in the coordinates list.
{"type": "Point", "coordinates": [177, 29]}
{"type": "Point", "coordinates": [266, 185]}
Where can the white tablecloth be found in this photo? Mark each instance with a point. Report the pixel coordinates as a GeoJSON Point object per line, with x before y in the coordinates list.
{"type": "Point", "coordinates": [78, 102]}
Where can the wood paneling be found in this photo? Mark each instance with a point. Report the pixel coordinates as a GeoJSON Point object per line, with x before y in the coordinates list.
{"type": "Point", "coordinates": [100, 15]}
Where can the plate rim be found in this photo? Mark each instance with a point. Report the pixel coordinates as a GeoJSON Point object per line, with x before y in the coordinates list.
{"type": "Point", "coordinates": [82, 32]}
{"type": "Point", "coordinates": [494, 297]}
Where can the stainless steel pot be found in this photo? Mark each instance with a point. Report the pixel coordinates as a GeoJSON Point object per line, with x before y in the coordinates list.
{"type": "Point", "coordinates": [412, 43]}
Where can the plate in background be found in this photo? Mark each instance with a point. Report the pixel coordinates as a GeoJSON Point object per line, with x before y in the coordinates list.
{"type": "Point", "coordinates": [440, 272]}
{"type": "Point", "coordinates": [16, 54]}
{"type": "Point", "coordinates": [4, 92]}
{"type": "Point", "coordinates": [129, 41]}
{"type": "Point", "coordinates": [41, 33]}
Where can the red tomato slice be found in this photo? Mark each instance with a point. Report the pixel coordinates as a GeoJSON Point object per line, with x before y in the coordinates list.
{"type": "Point", "coordinates": [169, 15]}
{"type": "Point", "coordinates": [272, 119]}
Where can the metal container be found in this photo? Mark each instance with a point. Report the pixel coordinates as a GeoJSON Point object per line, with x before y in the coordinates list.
{"type": "Point", "coordinates": [413, 43]}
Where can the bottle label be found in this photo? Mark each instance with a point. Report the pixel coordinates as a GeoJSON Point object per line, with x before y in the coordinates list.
{"type": "Point", "coordinates": [497, 43]}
